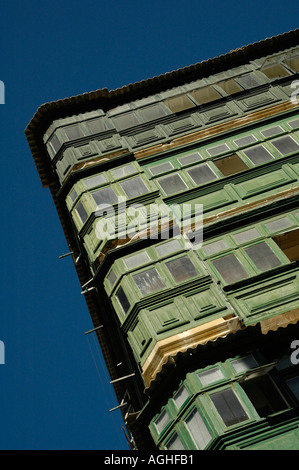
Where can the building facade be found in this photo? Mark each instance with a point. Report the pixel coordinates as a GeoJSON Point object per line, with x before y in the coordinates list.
{"type": "Point", "coordinates": [179, 197]}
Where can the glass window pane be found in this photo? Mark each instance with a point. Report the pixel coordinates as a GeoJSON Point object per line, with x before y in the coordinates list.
{"type": "Point", "coordinates": [272, 131]}
{"type": "Point", "coordinates": [95, 180]}
{"type": "Point", "coordinates": [275, 71]}
{"type": "Point", "coordinates": [181, 269]}
{"type": "Point", "coordinates": [247, 235]}
{"type": "Point", "coordinates": [73, 195]}
{"type": "Point", "coordinates": [104, 197]}
{"type": "Point", "coordinates": [214, 247]}
{"type": "Point", "coordinates": [279, 224]}
{"type": "Point", "coordinates": [162, 421]}
{"type": "Point", "coordinates": [54, 143]}
{"type": "Point", "coordinates": [294, 124]}
{"type": "Point", "coordinates": [174, 443]}
{"type": "Point", "coordinates": [153, 112]}
{"type": "Point", "coordinates": [96, 125]}
{"type": "Point", "coordinates": [134, 187]}
{"type": "Point", "coordinates": [202, 174]}
{"type": "Point", "coordinates": [204, 95]}
{"type": "Point", "coordinates": [198, 430]}
{"type": "Point", "coordinates": [179, 103]}
{"type": "Point", "coordinates": [168, 247]}
{"type": "Point", "coordinates": [188, 159]}
{"type": "Point", "coordinates": [263, 257]}
{"type": "Point", "coordinates": [210, 376]}
{"type": "Point", "coordinates": [248, 139]}
{"type": "Point", "coordinates": [213, 151]}
{"type": "Point", "coordinates": [229, 407]}
{"type": "Point", "coordinates": [125, 121]}
{"type": "Point", "coordinates": [244, 363]}
{"type": "Point", "coordinates": [230, 165]}
{"type": "Point", "coordinates": [248, 81]}
{"type": "Point", "coordinates": [172, 184]}
{"type": "Point", "coordinates": [163, 167]}
{"type": "Point", "coordinates": [230, 86]}
{"type": "Point", "coordinates": [73, 132]}
{"type": "Point", "coordinates": [123, 171]}
{"type": "Point", "coordinates": [148, 281]}
{"type": "Point", "coordinates": [181, 396]}
{"type": "Point", "coordinates": [230, 269]}
{"type": "Point", "coordinates": [123, 299]}
{"type": "Point", "coordinates": [112, 278]}
{"type": "Point", "coordinates": [293, 63]}
{"type": "Point", "coordinates": [258, 154]}
{"type": "Point", "coordinates": [81, 212]}
{"type": "Point", "coordinates": [136, 260]}
{"type": "Point", "coordinates": [285, 145]}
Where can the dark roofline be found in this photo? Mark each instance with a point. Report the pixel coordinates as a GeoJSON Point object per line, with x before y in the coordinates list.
{"type": "Point", "coordinates": [104, 99]}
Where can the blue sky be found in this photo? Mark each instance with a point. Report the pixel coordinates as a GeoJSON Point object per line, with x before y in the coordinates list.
{"type": "Point", "coordinates": [54, 389]}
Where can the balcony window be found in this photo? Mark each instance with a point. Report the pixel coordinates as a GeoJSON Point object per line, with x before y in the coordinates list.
{"type": "Point", "coordinates": [96, 180]}
{"type": "Point", "coordinates": [246, 140]}
{"type": "Point", "coordinates": [258, 154]}
{"type": "Point", "coordinates": [112, 278]}
{"type": "Point", "coordinates": [122, 299]}
{"type": "Point", "coordinates": [104, 197]}
{"type": "Point", "coordinates": [162, 168]}
{"type": "Point", "coordinates": [136, 260]}
{"type": "Point", "coordinates": [229, 86]}
{"type": "Point", "coordinates": [96, 125]}
{"type": "Point", "coordinates": [179, 103]}
{"type": "Point", "coordinates": [134, 187]}
{"type": "Point", "coordinates": [81, 212]}
{"type": "Point", "coordinates": [148, 281]}
{"type": "Point", "coordinates": [244, 363]}
{"type": "Point", "coordinates": [229, 407]}
{"type": "Point", "coordinates": [153, 112]}
{"type": "Point", "coordinates": [230, 268]}
{"type": "Point", "coordinates": [201, 174]}
{"type": "Point", "coordinates": [191, 158]}
{"type": "Point", "coordinates": [181, 269]}
{"type": "Point", "coordinates": [162, 421]}
{"type": "Point", "coordinates": [263, 257]}
{"type": "Point", "coordinates": [172, 184]}
{"type": "Point", "coordinates": [272, 131]}
{"type": "Point", "coordinates": [285, 145]}
{"type": "Point", "coordinates": [174, 443]}
{"type": "Point", "coordinates": [264, 395]}
{"type": "Point", "coordinates": [125, 121]}
{"type": "Point", "coordinates": [248, 81]}
{"type": "Point", "coordinates": [205, 95]}
{"type": "Point", "coordinates": [181, 396]}
{"type": "Point", "coordinates": [215, 247]}
{"type": "Point", "coordinates": [169, 247]}
{"type": "Point", "coordinates": [123, 171]}
{"type": "Point", "coordinates": [217, 150]}
{"type": "Point", "coordinates": [247, 235]}
{"type": "Point", "coordinates": [54, 143]}
{"type": "Point", "coordinates": [230, 165]}
{"type": "Point", "coordinates": [198, 429]}
{"type": "Point", "coordinates": [275, 71]}
{"type": "Point", "coordinates": [210, 376]}
{"type": "Point", "coordinates": [74, 132]}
